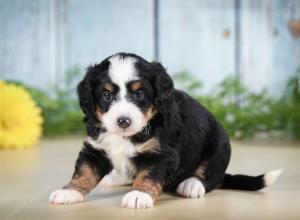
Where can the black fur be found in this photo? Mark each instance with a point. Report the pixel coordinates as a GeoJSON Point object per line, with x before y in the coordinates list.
{"type": "Point", "coordinates": [243, 182]}
{"type": "Point", "coordinates": [188, 133]}
{"type": "Point", "coordinates": [96, 75]}
{"type": "Point", "coordinates": [94, 158]}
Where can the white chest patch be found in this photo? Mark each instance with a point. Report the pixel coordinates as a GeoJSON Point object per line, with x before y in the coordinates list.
{"type": "Point", "coordinates": [119, 151]}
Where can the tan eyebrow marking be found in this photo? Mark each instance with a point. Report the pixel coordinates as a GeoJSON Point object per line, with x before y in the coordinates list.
{"type": "Point", "coordinates": [109, 87]}
{"type": "Point", "coordinates": [135, 86]}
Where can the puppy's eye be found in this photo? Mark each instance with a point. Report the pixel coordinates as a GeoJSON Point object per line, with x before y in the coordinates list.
{"type": "Point", "coordinates": [139, 94]}
{"type": "Point", "coordinates": [107, 96]}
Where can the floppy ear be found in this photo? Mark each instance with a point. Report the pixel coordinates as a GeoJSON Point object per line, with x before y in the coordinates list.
{"type": "Point", "coordinates": [86, 102]}
{"type": "Point", "coordinates": [163, 87]}
{"type": "Point", "coordinates": [164, 99]}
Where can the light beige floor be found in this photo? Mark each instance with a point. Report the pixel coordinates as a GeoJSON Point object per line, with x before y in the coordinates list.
{"type": "Point", "coordinates": [28, 176]}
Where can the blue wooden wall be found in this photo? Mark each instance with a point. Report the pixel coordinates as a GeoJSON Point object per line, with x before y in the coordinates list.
{"type": "Point", "coordinates": [212, 39]}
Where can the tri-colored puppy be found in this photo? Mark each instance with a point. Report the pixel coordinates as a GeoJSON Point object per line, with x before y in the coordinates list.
{"type": "Point", "coordinates": [142, 130]}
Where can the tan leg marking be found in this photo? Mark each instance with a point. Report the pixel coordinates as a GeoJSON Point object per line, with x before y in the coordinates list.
{"type": "Point", "coordinates": [200, 171]}
{"type": "Point", "coordinates": [84, 180]}
{"type": "Point", "coordinates": [144, 184]}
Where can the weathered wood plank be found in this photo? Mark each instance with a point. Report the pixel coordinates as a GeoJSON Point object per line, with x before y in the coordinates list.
{"type": "Point", "coordinates": [102, 28]}
{"type": "Point", "coordinates": [269, 54]}
{"type": "Point", "coordinates": [198, 36]}
{"type": "Point", "coordinates": [286, 48]}
{"type": "Point", "coordinates": [40, 39]}
{"type": "Point", "coordinates": [24, 51]}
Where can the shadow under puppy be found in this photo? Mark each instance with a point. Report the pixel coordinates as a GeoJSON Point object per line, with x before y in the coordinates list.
{"type": "Point", "coordinates": [141, 130]}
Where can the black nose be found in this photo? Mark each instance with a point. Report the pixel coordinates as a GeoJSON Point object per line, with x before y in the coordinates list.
{"type": "Point", "coordinates": [124, 122]}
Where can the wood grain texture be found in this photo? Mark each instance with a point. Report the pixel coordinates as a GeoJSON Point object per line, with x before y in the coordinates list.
{"type": "Point", "coordinates": [40, 40]}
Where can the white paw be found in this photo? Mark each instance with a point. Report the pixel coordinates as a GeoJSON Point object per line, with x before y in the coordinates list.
{"type": "Point", "coordinates": [65, 196]}
{"type": "Point", "coordinates": [191, 187]}
{"type": "Point", "coordinates": [115, 179]}
{"type": "Point", "coordinates": [137, 200]}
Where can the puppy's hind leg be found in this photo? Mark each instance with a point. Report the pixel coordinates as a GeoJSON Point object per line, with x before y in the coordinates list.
{"type": "Point", "coordinates": [206, 177]}
{"type": "Point", "coordinates": [191, 188]}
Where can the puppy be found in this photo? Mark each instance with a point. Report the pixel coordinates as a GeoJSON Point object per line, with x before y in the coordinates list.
{"type": "Point", "coordinates": [144, 131]}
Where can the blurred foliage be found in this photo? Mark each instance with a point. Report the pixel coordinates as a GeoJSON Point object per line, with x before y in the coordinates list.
{"type": "Point", "coordinates": [287, 109]}
{"type": "Point", "coordinates": [241, 112]}
{"type": "Point", "coordinates": [61, 111]}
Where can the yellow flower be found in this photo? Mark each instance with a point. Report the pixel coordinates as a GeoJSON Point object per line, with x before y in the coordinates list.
{"type": "Point", "coordinates": [20, 118]}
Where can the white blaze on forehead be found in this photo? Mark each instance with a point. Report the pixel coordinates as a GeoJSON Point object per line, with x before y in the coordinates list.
{"type": "Point", "coordinates": [121, 71]}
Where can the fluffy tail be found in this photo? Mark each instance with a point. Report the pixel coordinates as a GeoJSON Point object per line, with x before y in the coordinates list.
{"type": "Point", "coordinates": [250, 183]}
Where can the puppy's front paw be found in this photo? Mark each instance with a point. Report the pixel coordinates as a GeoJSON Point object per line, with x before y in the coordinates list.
{"type": "Point", "coordinates": [65, 196]}
{"type": "Point", "coordinates": [137, 200]}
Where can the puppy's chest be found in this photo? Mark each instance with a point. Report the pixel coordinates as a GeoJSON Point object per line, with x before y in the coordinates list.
{"type": "Point", "coordinates": [120, 151]}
